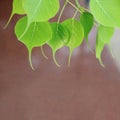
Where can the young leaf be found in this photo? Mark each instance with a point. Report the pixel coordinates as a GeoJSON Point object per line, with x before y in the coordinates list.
{"type": "Point", "coordinates": [17, 9]}
{"type": "Point", "coordinates": [40, 10]}
{"type": "Point", "coordinates": [104, 35]}
{"type": "Point", "coordinates": [87, 21]}
{"type": "Point", "coordinates": [76, 34]}
{"type": "Point", "coordinates": [59, 39]}
{"type": "Point", "coordinates": [37, 34]}
{"type": "Point", "coordinates": [106, 12]}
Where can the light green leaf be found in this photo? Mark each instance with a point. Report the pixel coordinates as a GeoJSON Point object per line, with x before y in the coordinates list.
{"type": "Point", "coordinates": [40, 10]}
{"type": "Point", "coordinates": [87, 21]}
{"type": "Point", "coordinates": [76, 34]}
{"type": "Point", "coordinates": [104, 35]}
{"type": "Point", "coordinates": [37, 34]}
{"type": "Point", "coordinates": [106, 12]}
{"type": "Point", "coordinates": [17, 9]}
{"type": "Point", "coordinates": [59, 39]}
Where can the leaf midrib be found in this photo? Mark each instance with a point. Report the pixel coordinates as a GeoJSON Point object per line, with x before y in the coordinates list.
{"type": "Point", "coordinates": [32, 35]}
{"type": "Point", "coordinates": [36, 9]}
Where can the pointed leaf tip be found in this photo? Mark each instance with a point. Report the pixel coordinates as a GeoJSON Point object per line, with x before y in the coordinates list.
{"type": "Point", "coordinates": [104, 35]}
{"type": "Point", "coordinates": [17, 8]}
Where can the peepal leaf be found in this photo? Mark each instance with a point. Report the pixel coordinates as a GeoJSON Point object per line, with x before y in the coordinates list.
{"type": "Point", "coordinates": [106, 12]}
{"type": "Point", "coordinates": [17, 9]}
{"type": "Point", "coordinates": [59, 39]}
{"type": "Point", "coordinates": [87, 21]}
{"type": "Point", "coordinates": [76, 34]}
{"type": "Point", "coordinates": [37, 34]}
{"type": "Point", "coordinates": [40, 10]}
{"type": "Point", "coordinates": [104, 35]}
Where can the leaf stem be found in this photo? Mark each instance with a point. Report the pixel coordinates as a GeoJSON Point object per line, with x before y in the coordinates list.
{"type": "Point", "coordinates": [62, 10]}
{"type": "Point", "coordinates": [75, 14]}
{"type": "Point", "coordinates": [77, 3]}
{"type": "Point", "coordinates": [74, 6]}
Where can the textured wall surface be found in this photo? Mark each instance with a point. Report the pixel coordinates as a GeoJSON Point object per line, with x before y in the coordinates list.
{"type": "Point", "coordinates": [85, 91]}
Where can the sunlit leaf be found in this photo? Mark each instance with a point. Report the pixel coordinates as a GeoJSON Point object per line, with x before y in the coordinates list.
{"type": "Point", "coordinates": [104, 35]}
{"type": "Point", "coordinates": [106, 12]}
{"type": "Point", "coordinates": [40, 10]}
{"type": "Point", "coordinates": [59, 39]}
{"type": "Point", "coordinates": [76, 34]}
{"type": "Point", "coordinates": [37, 34]}
{"type": "Point", "coordinates": [87, 21]}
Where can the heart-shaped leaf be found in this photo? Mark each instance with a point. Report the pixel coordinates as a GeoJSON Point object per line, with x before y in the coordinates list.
{"type": "Point", "coordinates": [37, 34]}
{"type": "Point", "coordinates": [76, 34]}
{"type": "Point", "coordinates": [106, 12]}
{"type": "Point", "coordinates": [39, 11]}
{"type": "Point", "coordinates": [59, 39]}
{"type": "Point", "coordinates": [104, 35]}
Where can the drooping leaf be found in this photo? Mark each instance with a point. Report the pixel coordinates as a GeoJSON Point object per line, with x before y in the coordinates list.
{"type": "Point", "coordinates": [16, 9]}
{"type": "Point", "coordinates": [76, 34]}
{"type": "Point", "coordinates": [59, 39]}
{"type": "Point", "coordinates": [104, 35]}
{"type": "Point", "coordinates": [37, 34]}
{"type": "Point", "coordinates": [87, 21]}
{"type": "Point", "coordinates": [106, 12]}
{"type": "Point", "coordinates": [39, 11]}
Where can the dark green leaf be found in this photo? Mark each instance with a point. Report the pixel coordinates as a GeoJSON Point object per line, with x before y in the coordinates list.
{"type": "Point", "coordinates": [87, 21]}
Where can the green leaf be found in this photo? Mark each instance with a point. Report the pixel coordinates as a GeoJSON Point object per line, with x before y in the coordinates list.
{"type": "Point", "coordinates": [40, 10]}
{"type": "Point", "coordinates": [37, 34]}
{"type": "Point", "coordinates": [17, 9]}
{"type": "Point", "coordinates": [59, 39]}
{"type": "Point", "coordinates": [104, 35]}
{"type": "Point", "coordinates": [76, 34]}
{"type": "Point", "coordinates": [106, 12]}
{"type": "Point", "coordinates": [87, 21]}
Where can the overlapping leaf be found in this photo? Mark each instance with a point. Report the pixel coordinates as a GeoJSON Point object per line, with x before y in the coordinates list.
{"type": "Point", "coordinates": [76, 34]}
{"type": "Point", "coordinates": [39, 11]}
{"type": "Point", "coordinates": [104, 35]}
{"type": "Point", "coordinates": [34, 30]}
{"type": "Point", "coordinates": [59, 39]}
{"type": "Point", "coordinates": [37, 34]}
{"type": "Point", "coordinates": [106, 12]}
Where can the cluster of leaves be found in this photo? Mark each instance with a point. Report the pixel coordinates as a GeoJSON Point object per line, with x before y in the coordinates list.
{"type": "Point", "coordinates": [34, 29]}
